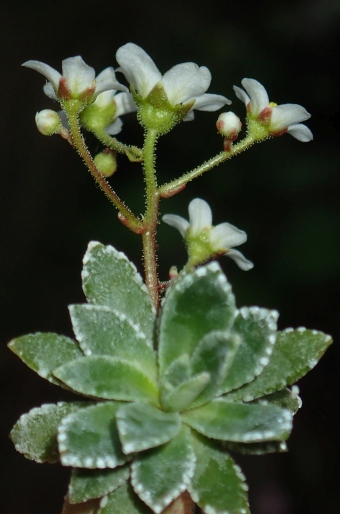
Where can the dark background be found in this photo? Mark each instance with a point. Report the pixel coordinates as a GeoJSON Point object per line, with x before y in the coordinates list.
{"type": "Point", "coordinates": [283, 193]}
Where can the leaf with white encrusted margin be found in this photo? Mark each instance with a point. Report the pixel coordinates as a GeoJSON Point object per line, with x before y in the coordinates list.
{"type": "Point", "coordinates": [286, 399]}
{"type": "Point", "coordinates": [257, 329]}
{"type": "Point", "coordinates": [35, 433]}
{"type": "Point", "coordinates": [161, 474]}
{"type": "Point", "coordinates": [240, 422]}
{"type": "Point", "coordinates": [44, 352]}
{"type": "Point", "coordinates": [294, 354]}
{"type": "Point", "coordinates": [123, 501]}
{"type": "Point", "coordinates": [89, 507]}
{"type": "Point", "coordinates": [142, 426]}
{"type": "Point", "coordinates": [87, 484]}
{"type": "Point", "coordinates": [196, 304]}
{"type": "Point", "coordinates": [181, 397]}
{"type": "Point", "coordinates": [109, 278]}
{"type": "Point", "coordinates": [218, 485]}
{"type": "Point", "coordinates": [257, 448]}
{"type": "Point", "coordinates": [101, 330]}
{"type": "Point", "coordinates": [215, 355]}
{"type": "Point", "coordinates": [89, 438]}
{"type": "Point", "coordinates": [108, 378]}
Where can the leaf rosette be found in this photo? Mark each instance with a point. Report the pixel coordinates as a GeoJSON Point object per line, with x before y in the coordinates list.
{"type": "Point", "coordinates": [165, 397]}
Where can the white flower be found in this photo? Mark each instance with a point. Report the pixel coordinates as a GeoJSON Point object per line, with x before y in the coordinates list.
{"type": "Point", "coordinates": [122, 102]}
{"type": "Point", "coordinates": [205, 241]}
{"type": "Point", "coordinates": [77, 80]}
{"type": "Point", "coordinates": [278, 118]}
{"type": "Point", "coordinates": [183, 83]}
{"type": "Point", "coordinates": [229, 125]}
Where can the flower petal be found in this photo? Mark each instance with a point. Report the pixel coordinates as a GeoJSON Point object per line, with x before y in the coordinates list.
{"type": "Point", "coordinates": [138, 68]}
{"type": "Point", "coordinates": [258, 95]}
{"type": "Point", "coordinates": [177, 222]}
{"type": "Point", "coordinates": [200, 216]}
{"type": "Point", "coordinates": [50, 73]}
{"type": "Point", "coordinates": [300, 132]}
{"type": "Point", "coordinates": [49, 91]}
{"type": "Point", "coordinates": [240, 260]}
{"type": "Point", "coordinates": [185, 81]}
{"type": "Point", "coordinates": [124, 104]}
{"type": "Point", "coordinates": [241, 95]}
{"type": "Point", "coordinates": [209, 102]}
{"type": "Point", "coordinates": [79, 75]}
{"type": "Point", "coordinates": [226, 236]}
{"type": "Point", "coordinates": [287, 114]}
{"type": "Point", "coordinates": [115, 127]}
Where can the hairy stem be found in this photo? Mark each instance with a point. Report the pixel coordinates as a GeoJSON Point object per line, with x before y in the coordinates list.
{"type": "Point", "coordinates": [151, 217]}
{"type": "Point", "coordinates": [133, 152]}
{"type": "Point", "coordinates": [77, 140]}
{"type": "Point", "coordinates": [241, 146]}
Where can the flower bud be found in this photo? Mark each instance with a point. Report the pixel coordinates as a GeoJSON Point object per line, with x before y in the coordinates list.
{"type": "Point", "coordinates": [106, 162]}
{"type": "Point", "coordinates": [48, 122]}
{"type": "Point", "coordinates": [229, 125]}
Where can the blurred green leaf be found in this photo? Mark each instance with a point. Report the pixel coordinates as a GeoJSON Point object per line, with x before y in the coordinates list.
{"type": "Point", "coordinates": [240, 422]}
{"type": "Point", "coordinates": [35, 433]}
{"type": "Point", "coordinates": [44, 352]}
{"type": "Point", "coordinates": [87, 484]}
{"type": "Point", "coordinates": [196, 304]}
{"type": "Point", "coordinates": [295, 353]}
{"type": "Point", "coordinates": [89, 438]}
{"type": "Point", "coordinates": [101, 376]}
{"type": "Point", "coordinates": [142, 426]}
{"type": "Point", "coordinates": [101, 330]}
{"type": "Point", "coordinates": [161, 474]}
{"type": "Point", "coordinates": [110, 279]}
{"type": "Point", "coordinates": [218, 485]}
{"type": "Point", "coordinates": [257, 330]}
{"type": "Point", "coordinates": [123, 501]}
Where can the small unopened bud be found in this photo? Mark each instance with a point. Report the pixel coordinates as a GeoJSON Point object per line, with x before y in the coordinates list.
{"type": "Point", "coordinates": [48, 122]}
{"type": "Point", "coordinates": [229, 125]}
{"type": "Point", "coordinates": [106, 162]}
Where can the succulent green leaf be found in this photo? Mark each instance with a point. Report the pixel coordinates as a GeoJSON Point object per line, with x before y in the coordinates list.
{"type": "Point", "coordinates": [110, 279]}
{"type": "Point", "coordinates": [195, 305]}
{"type": "Point", "coordinates": [87, 484]}
{"type": "Point", "coordinates": [218, 485]}
{"type": "Point", "coordinates": [286, 399]}
{"type": "Point", "coordinates": [161, 474]}
{"type": "Point", "coordinates": [182, 396]}
{"type": "Point", "coordinates": [89, 438]}
{"type": "Point", "coordinates": [89, 507]}
{"type": "Point", "coordinates": [123, 501]}
{"type": "Point", "coordinates": [240, 422]}
{"type": "Point", "coordinates": [101, 330]}
{"type": "Point", "coordinates": [257, 448]}
{"type": "Point", "coordinates": [142, 426]}
{"type": "Point", "coordinates": [44, 352]}
{"type": "Point", "coordinates": [35, 433]}
{"type": "Point", "coordinates": [257, 329]}
{"type": "Point", "coordinates": [294, 354]}
{"type": "Point", "coordinates": [101, 376]}
{"type": "Point", "coordinates": [214, 355]}
{"type": "Point", "coordinates": [178, 372]}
